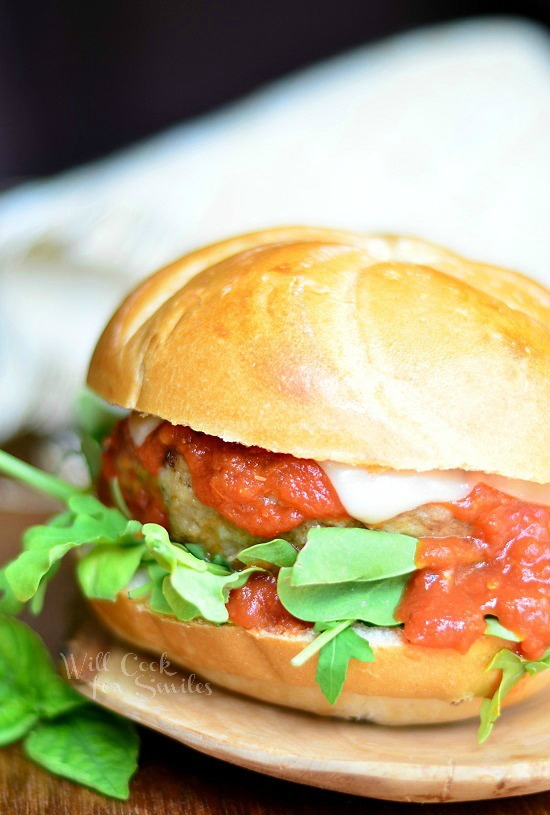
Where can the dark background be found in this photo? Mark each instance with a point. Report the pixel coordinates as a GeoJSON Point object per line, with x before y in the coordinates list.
{"type": "Point", "coordinates": [79, 78]}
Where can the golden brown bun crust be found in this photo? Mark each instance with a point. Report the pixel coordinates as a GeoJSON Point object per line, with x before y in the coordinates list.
{"type": "Point", "coordinates": [406, 684]}
{"type": "Point", "coordinates": [379, 350]}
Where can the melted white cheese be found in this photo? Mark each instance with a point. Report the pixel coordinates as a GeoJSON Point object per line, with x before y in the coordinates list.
{"type": "Point", "coordinates": [374, 497]}
{"type": "Point", "coordinates": [142, 425]}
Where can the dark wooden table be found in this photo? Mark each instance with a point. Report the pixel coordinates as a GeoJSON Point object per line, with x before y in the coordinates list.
{"type": "Point", "coordinates": [175, 779]}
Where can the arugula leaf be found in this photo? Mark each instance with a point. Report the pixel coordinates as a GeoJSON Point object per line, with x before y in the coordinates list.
{"type": "Point", "coordinates": [334, 657]}
{"type": "Point", "coordinates": [157, 600]}
{"type": "Point", "coordinates": [328, 632]}
{"type": "Point", "coordinates": [197, 550]}
{"type": "Point", "coordinates": [514, 668]}
{"type": "Point", "coordinates": [336, 555]}
{"type": "Point", "coordinates": [495, 629]}
{"type": "Point", "coordinates": [35, 478]}
{"type": "Point", "coordinates": [37, 601]}
{"type": "Point", "coordinates": [192, 586]}
{"type": "Point", "coordinates": [106, 570]}
{"type": "Point", "coordinates": [9, 604]}
{"type": "Point", "coordinates": [278, 552]}
{"type": "Point", "coordinates": [170, 555]}
{"type": "Point", "coordinates": [190, 595]}
{"type": "Point", "coordinates": [88, 522]}
{"type": "Point", "coordinates": [96, 419]}
{"type": "Point", "coordinates": [373, 602]}
{"type": "Point", "coordinates": [91, 746]}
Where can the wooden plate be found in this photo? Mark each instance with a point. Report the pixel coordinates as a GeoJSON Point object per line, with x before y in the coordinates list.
{"type": "Point", "coordinates": [421, 764]}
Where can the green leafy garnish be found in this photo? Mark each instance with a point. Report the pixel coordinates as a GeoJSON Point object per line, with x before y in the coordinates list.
{"type": "Point", "coordinates": [334, 658]}
{"type": "Point", "coordinates": [107, 570]}
{"type": "Point", "coordinates": [62, 731]}
{"type": "Point", "coordinates": [190, 595]}
{"type": "Point", "coordinates": [330, 630]}
{"type": "Point", "coordinates": [340, 577]}
{"type": "Point", "coordinates": [29, 687]}
{"type": "Point", "coordinates": [336, 643]}
{"type": "Point", "coordinates": [184, 584]}
{"type": "Point", "coordinates": [277, 552]}
{"type": "Point", "coordinates": [91, 746]}
{"type": "Point", "coordinates": [88, 522]}
{"type": "Point", "coordinates": [96, 419]}
{"type": "Point", "coordinates": [495, 629]}
{"type": "Point", "coordinates": [335, 555]}
{"type": "Point", "coordinates": [374, 602]}
{"type": "Point", "coordinates": [514, 668]}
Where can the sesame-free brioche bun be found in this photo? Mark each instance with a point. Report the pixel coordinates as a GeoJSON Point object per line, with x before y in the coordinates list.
{"type": "Point", "coordinates": [406, 684]}
{"type": "Point", "coordinates": [371, 351]}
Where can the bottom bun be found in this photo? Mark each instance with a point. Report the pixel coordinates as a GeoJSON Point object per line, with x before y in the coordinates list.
{"type": "Point", "coordinates": [406, 684]}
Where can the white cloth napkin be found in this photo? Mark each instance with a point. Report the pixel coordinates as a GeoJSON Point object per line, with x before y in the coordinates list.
{"type": "Point", "coordinates": [443, 133]}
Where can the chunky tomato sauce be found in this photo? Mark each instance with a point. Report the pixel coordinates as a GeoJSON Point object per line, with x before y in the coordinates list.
{"type": "Point", "coordinates": [257, 605]}
{"type": "Point", "coordinates": [261, 492]}
{"type": "Point", "coordinates": [502, 569]}
{"type": "Point", "coordinates": [124, 461]}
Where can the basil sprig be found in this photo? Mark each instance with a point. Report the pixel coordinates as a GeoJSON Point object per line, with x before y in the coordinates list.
{"type": "Point", "coordinates": [61, 731]}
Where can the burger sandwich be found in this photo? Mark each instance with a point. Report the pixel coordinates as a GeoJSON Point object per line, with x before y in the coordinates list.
{"type": "Point", "coordinates": [330, 489]}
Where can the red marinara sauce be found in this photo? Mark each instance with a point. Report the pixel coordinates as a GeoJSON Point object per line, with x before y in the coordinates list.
{"type": "Point", "coordinates": [133, 467]}
{"type": "Point", "coordinates": [257, 605]}
{"type": "Point", "coordinates": [262, 492]}
{"type": "Point", "coordinates": [502, 569]}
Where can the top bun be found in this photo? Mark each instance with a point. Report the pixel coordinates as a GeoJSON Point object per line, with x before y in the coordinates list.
{"type": "Point", "coordinates": [373, 351]}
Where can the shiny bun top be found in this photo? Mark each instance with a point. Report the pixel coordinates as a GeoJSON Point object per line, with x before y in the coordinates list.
{"type": "Point", "coordinates": [373, 351]}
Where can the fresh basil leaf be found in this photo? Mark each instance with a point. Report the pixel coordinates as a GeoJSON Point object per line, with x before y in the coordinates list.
{"type": "Point", "coordinates": [278, 552]}
{"type": "Point", "coordinates": [191, 594]}
{"type": "Point", "coordinates": [17, 717]}
{"type": "Point", "coordinates": [334, 657]}
{"type": "Point", "coordinates": [336, 555]}
{"type": "Point", "coordinates": [107, 570]}
{"type": "Point", "coordinates": [514, 668]}
{"type": "Point", "coordinates": [90, 746]}
{"type": "Point", "coordinates": [495, 629]}
{"type": "Point", "coordinates": [29, 685]}
{"type": "Point", "coordinates": [373, 602]}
